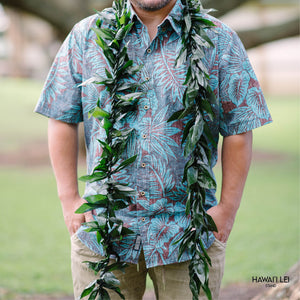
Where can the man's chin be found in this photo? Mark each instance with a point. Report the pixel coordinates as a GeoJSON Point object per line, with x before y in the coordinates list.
{"type": "Point", "coordinates": [150, 5]}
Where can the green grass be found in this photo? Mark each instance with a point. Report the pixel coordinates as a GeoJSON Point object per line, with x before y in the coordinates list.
{"type": "Point", "coordinates": [265, 237]}
{"type": "Point", "coordinates": [283, 134]}
{"type": "Point", "coordinates": [34, 251]}
{"type": "Point", "coordinates": [18, 121]}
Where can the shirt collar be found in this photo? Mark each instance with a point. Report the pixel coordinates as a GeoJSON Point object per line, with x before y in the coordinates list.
{"type": "Point", "coordinates": [174, 16]}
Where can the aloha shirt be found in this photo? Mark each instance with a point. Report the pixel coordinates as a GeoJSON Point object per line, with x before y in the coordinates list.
{"type": "Point", "coordinates": [157, 214]}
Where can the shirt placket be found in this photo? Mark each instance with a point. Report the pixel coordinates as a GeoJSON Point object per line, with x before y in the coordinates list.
{"type": "Point", "coordinates": [144, 136]}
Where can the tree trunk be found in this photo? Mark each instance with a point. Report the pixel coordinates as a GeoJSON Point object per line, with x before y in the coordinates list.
{"type": "Point", "coordinates": [64, 14]}
{"type": "Point", "coordinates": [223, 7]}
{"type": "Point", "coordinates": [262, 35]}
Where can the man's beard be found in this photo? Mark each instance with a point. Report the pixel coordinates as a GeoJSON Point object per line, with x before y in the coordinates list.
{"type": "Point", "coordinates": [151, 5]}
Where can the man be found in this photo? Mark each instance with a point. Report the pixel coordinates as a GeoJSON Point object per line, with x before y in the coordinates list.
{"type": "Point", "coordinates": [157, 215]}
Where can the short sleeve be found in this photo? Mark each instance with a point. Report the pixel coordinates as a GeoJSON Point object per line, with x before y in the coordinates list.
{"type": "Point", "coordinates": [242, 104]}
{"type": "Point", "coordinates": [61, 95]}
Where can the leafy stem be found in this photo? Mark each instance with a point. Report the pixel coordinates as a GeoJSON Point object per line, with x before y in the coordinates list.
{"type": "Point", "coordinates": [198, 100]}
{"type": "Point", "coordinates": [114, 196]}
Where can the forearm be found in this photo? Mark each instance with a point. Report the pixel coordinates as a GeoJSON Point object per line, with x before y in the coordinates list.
{"type": "Point", "coordinates": [236, 159]}
{"type": "Point", "coordinates": [63, 150]}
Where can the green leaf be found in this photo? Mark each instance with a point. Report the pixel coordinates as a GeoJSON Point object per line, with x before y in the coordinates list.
{"type": "Point", "coordinates": [206, 181]}
{"type": "Point", "coordinates": [207, 108]}
{"type": "Point", "coordinates": [104, 33]}
{"type": "Point", "coordinates": [122, 20]}
{"type": "Point", "coordinates": [188, 22]}
{"type": "Point", "coordinates": [105, 146]}
{"type": "Point", "coordinates": [212, 224]}
{"type": "Point", "coordinates": [118, 291]}
{"type": "Point", "coordinates": [192, 175]}
{"type": "Point", "coordinates": [197, 129]}
{"type": "Point", "coordinates": [98, 112]}
{"type": "Point", "coordinates": [92, 224]}
{"type": "Point", "coordinates": [108, 53]}
{"type": "Point", "coordinates": [111, 279]}
{"type": "Point", "coordinates": [181, 59]}
{"type": "Point", "coordinates": [125, 67]}
{"type": "Point", "coordinates": [99, 265]}
{"type": "Point", "coordinates": [176, 115]}
{"type": "Point", "coordinates": [130, 96]}
{"type": "Point", "coordinates": [106, 124]}
{"type": "Point", "coordinates": [186, 130]}
{"type": "Point", "coordinates": [126, 231]}
{"type": "Point", "coordinates": [103, 294]}
{"type": "Point", "coordinates": [122, 32]}
{"type": "Point", "coordinates": [188, 204]}
{"type": "Point", "coordinates": [85, 207]}
{"type": "Point", "coordinates": [194, 288]}
{"type": "Point", "coordinates": [189, 146]}
{"type": "Point", "coordinates": [119, 205]}
{"type": "Point", "coordinates": [108, 74]}
{"type": "Point", "coordinates": [207, 291]}
{"type": "Point", "coordinates": [115, 44]}
{"type": "Point", "coordinates": [99, 237]}
{"type": "Point", "coordinates": [135, 69]}
{"type": "Point", "coordinates": [88, 289]}
{"type": "Point", "coordinates": [117, 266]}
{"type": "Point", "coordinates": [124, 188]}
{"type": "Point", "coordinates": [205, 21]}
{"type": "Point", "coordinates": [209, 136]}
{"type": "Point", "coordinates": [181, 114]}
{"type": "Point", "coordinates": [101, 220]}
{"type": "Point", "coordinates": [93, 177]}
{"type": "Point", "coordinates": [125, 163]}
{"type": "Point", "coordinates": [95, 198]}
{"type": "Point", "coordinates": [102, 166]}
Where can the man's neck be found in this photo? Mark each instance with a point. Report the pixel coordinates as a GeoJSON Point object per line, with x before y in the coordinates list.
{"type": "Point", "coordinates": [151, 19]}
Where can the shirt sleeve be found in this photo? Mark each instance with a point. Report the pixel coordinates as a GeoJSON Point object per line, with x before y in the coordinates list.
{"type": "Point", "coordinates": [61, 95]}
{"type": "Point", "coordinates": [242, 104]}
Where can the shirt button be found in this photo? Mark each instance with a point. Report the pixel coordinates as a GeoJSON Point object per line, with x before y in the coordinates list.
{"type": "Point", "coordinates": [143, 219]}
{"type": "Point", "coordinates": [146, 107]}
{"type": "Point", "coordinates": [147, 78]}
{"type": "Point", "coordinates": [143, 165]}
{"type": "Point", "coordinates": [142, 193]}
{"type": "Point", "coordinates": [144, 136]}
{"type": "Point", "coordinates": [148, 50]}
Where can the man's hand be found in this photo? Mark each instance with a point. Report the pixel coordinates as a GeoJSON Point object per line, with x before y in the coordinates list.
{"type": "Point", "coordinates": [224, 219]}
{"type": "Point", "coordinates": [73, 221]}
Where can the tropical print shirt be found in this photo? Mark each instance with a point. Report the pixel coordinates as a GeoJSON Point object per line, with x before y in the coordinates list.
{"type": "Point", "coordinates": [157, 215]}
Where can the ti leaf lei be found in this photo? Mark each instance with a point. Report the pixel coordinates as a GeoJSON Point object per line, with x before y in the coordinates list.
{"type": "Point", "coordinates": [197, 101]}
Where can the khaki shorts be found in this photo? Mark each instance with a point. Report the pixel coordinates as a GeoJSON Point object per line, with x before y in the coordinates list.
{"type": "Point", "coordinates": [171, 282]}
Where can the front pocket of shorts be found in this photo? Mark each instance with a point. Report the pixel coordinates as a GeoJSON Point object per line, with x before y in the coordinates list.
{"type": "Point", "coordinates": [221, 244]}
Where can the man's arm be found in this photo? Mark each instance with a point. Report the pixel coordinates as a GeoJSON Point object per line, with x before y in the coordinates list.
{"type": "Point", "coordinates": [63, 150]}
{"type": "Point", "coordinates": [236, 159]}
